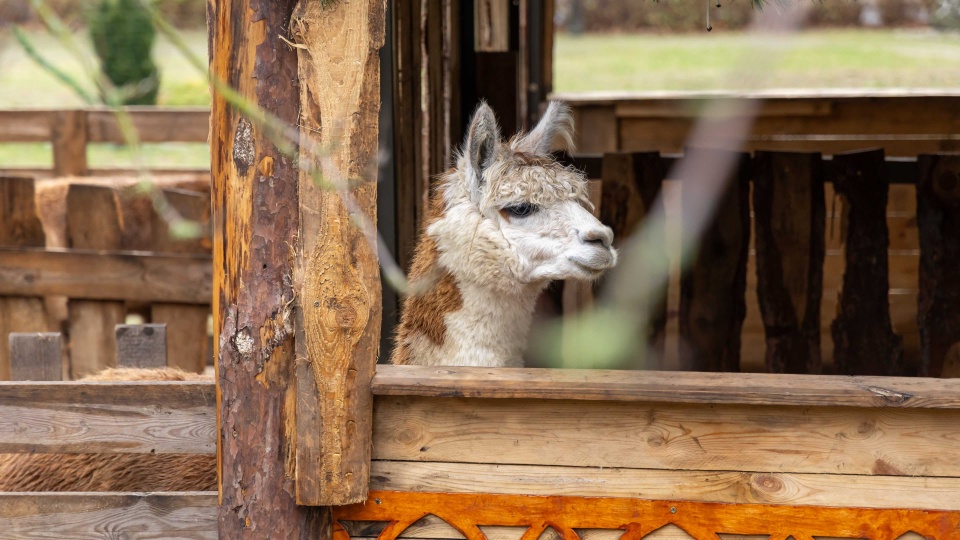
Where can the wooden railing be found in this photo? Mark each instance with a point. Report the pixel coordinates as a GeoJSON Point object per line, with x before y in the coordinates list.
{"type": "Point", "coordinates": [69, 132]}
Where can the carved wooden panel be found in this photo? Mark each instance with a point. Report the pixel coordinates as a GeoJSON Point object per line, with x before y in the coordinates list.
{"type": "Point", "coordinates": [473, 514]}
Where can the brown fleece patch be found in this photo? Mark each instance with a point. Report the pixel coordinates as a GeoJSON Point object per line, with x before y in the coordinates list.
{"type": "Point", "coordinates": [423, 312]}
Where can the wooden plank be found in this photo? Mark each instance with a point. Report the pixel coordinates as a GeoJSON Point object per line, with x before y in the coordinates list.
{"type": "Point", "coordinates": [667, 387]}
{"type": "Point", "coordinates": [181, 204]}
{"type": "Point", "coordinates": [69, 138]}
{"type": "Point", "coordinates": [26, 125]}
{"type": "Point", "coordinates": [732, 487]}
{"type": "Point", "coordinates": [70, 516]}
{"type": "Point", "coordinates": [109, 417]}
{"type": "Point", "coordinates": [598, 131]}
{"type": "Point", "coordinates": [340, 305]}
{"type": "Point", "coordinates": [864, 342]}
{"type": "Point", "coordinates": [632, 183]}
{"type": "Point", "coordinates": [20, 314]}
{"type": "Point", "coordinates": [255, 215]}
{"type": "Point", "coordinates": [153, 124]}
{"type": "Point", "coordinates": [938, 219]}
{"type": "Point", "coordinates": [35, 356]}
{"type": "Point", "coordinates": [774, 439]}
{"type": "Point", "coordinates": [789, 222]}
{"type": "Point", "coordinates": [491, 19]}
{"type": "Point", "coordinates": [106, 275]}
{"type": "Point", "coordinates": [142, 345]}
{"type": "Point", "coordinates": [47, 172]}
{"type": "Point", "coordinates": [640, 518]}
{"type": "Point", "coordinates": [712, 292]}
{"type": "Point", "coordinates": [188, 347]}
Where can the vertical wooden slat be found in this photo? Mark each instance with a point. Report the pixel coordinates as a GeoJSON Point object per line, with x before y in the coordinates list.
{"type": "Point", "coordinates": [35, 356]}
{"type": "Point", "coordinates": [597, 129]}
{"type": "Point", "coordinates": [491, 25]}
{"type": "Point", "coordinates": [863, 338]}
{"type": "Point", "coordinates": [938, 220]}
{"type": "Point", "coordinates": [407, 126]}
{"type": "Point", "coordinates": [142, 345]}
{"type": "Point", "coordinates": [631, 187]}
{"type": "Point", "coordinates": [19, 227]}
{"type": "Point", "coordinates": [790, 220]}
{"type": "Point", "coordinates": [338, 320]}
{"type": "Point", "coordinates": [93, 222]}
{"type": "Point", "coordinates": [255, 219]}
{"type": "Point", "coordinates": [69, 143]}
{"type": "Point", "coordinates": [712, 304]}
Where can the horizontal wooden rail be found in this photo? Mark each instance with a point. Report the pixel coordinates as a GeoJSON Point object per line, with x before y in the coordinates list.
{"type": "Point", "coordinates": [106, 275]}
{"type": "Point", "coordinates": [111, 417]}
{"type": "Point", "coordinates": [45, 172]}
{"type": "Point", "coordinates": [668, 387]}
{"type": "Point", "coordinates": [167, 124]}
{"type": "Point", "coordinates": [185, 515]}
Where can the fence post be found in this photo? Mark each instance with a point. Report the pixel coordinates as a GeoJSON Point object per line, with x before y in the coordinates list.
{"type": "Point", "coordinates": [338, 330]}
{"type": "Point", "coordinates": [255, 222]}
{"type": "Point", "coordinates": [69, 143]}
{"type": "Point", "coordinates": [35, 356]}
{"type": "Point", "coordinates": [142, 345]}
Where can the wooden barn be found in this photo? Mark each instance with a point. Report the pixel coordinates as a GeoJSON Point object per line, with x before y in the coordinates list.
{"type": "Point", "coordinates": [798, 383]}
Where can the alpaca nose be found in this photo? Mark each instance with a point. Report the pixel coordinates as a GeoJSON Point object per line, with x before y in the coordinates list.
{"type": "Point", "coordinates": [596, 235]}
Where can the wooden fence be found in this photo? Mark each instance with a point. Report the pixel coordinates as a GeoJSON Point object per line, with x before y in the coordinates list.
{"type": "Point", "coordinates": [83, 256]}
{"type": "Point", "coordinates": [847, 279]}
{"type": "Point", "coordinates": [150, 418]}
{"type": "Point", "coordinates": [904, 123]}
{"type": "Point", "coordinates": [69, 132]}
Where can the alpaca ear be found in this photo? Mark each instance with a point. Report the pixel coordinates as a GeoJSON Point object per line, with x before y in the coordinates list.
{"type": "Point", "coordinates": [482, 139]}
{"type": "Point", "coordinates": [554, 131]}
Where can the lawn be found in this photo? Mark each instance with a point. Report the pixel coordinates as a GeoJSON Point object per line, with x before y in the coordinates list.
{"type": "Point", "coordinates": [638, 62]}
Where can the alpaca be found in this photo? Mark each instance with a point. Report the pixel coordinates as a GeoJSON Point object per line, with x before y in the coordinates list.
{"type": "Point", "coordinates": [501, 226]}
{"type": "Point", "coordinates": [113, 472]}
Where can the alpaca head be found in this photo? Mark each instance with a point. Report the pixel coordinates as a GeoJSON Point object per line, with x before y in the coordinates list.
{"type": "Point", "coordinates": [514, 216]}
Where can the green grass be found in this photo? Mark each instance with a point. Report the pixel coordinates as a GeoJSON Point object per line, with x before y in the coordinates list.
{"type": "Point", "coordinates": [735, 61]}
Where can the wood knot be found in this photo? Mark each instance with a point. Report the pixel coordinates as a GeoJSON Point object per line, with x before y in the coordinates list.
{"type": "Point", "coordinates": [767, 483]}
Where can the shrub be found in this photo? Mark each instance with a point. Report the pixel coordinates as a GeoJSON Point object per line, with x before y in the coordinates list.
{"type": "Point", "coordinates": [123, 35]}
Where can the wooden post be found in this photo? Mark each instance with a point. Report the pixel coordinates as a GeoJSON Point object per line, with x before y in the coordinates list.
{"type": "Point", "coordinates": [790, 220]}
{"type": "Point", "coordinates": [712, 302]}
{"type": "Point", "coordinates": [863, 338]}
{"type": "Point", "coordinates": [407, 125]}
{"type": "Point", "coordinates": [491, 25]}
{"type": "Point", "coordinates": [142, 345]}
{"type": "Point", "coordinates": [69, 143]}
{"type": "Point", "coordinates": [93, 222]}
{"type": "Point", "coordinates": [631, 187]}
{"type": "Point", "coordinates": [338, 330]}
{"type": "Point", "coordinates": [255, 221]}
{"type": "Point", "coordinates": [938, 218]}
{"type": "Point", "coordinates": [19, 227]}
{"type": "Point", "coordinates": [35, 356]}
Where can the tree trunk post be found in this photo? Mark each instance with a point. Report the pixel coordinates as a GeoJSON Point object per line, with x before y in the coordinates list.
{"type": "Point", "coordinates": [256, 220]}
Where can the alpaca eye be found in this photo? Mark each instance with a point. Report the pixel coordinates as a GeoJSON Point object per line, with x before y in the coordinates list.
{"type": "Point", "coordinates": [521, 210]}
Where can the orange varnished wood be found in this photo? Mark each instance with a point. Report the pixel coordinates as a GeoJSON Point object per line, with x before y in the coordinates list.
{"type": "Point", "coordinates": [639, 517]}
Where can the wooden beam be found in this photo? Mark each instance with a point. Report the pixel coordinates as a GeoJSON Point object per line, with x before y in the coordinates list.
{"type": "Point", "coordinates": [65, 516]}
{"type": "Point", "coordinates": [106, 275]}
{"type": "Point", "coordinates": [35, 356]}
{"type": "Point", "coordinates": [938, 219]}
{"type": "Point", "coordinates": [153, 124]}
{"type": "Point", "coordinates": [69, 137]}
{"type": "Point", "coordinates": [732, 487]}
{"type": "Point", "coordinates": [255, 216]}
{"type": "Point", "coordinates": [110, 417]}
{"type": "Point", "coordinates": [491, 30]}
{"type": "Point", "coordinates": [712, 304]}
{"type": "Point", "coordinates": [667, 386]}
{"type": "Point", "coordinates": [789, 226]}
{"type": "Point", "coordinates": [338, 330]}
{"type": "Point", "coordinates": [863, 338]}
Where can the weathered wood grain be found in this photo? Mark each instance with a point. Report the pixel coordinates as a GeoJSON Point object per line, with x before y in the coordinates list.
{"type": "Point", "coordinates": [938, 219]}
{"type": "Point", "coordinates": [337, 272]}
{"type": "Point", "coordinates": [255, 216]}
{"type": "Point", "coordinates": [106, 275]}
{"type": "Point", "coordinates": [712, 305]}
{"type": "Point", "coordinates": [188, 348]}
{"type": "Point", "coordinates": [820, 440]}
{"type": "Point", "coordinates": [76, 516]}
{"type": "Point", "coordinates": [69, 139]}
{"type": "Point", "coordinates": [789, 219]}
{"type": "Point", "coordinates": [19, 314]}
{"type": "Point", "coordinates": [864, 342]}
{"type": "Point", "coordinates": [35, 356]}
{"type": "Point", "coordinates": [639, 518]}
{"type": "Point", "coordinates": [127, 417]}
{"type": "Point", "coordinates": [141, 345]}
{"type": "Point", "coordinates": [491, 19]}
{"type": "Point", "coordinates": [667, 387]}
{"type": "Point", "coordinates": [733, 487]}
